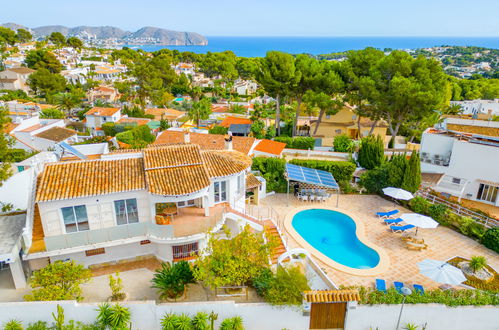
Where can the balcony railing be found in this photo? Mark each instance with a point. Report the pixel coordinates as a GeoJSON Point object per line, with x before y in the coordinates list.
{"type": "Point", "coordinates": [89, 237]}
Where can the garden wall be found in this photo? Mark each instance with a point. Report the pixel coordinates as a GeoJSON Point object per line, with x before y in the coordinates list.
{"type": "Point", "coordinates": [147, 314]}
{"type": "Point", "coordinates": [435, 315]}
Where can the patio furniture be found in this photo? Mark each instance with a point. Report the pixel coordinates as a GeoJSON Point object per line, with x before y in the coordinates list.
{"type": "Point", "coordinates": [380, 285]}
{"type": "Point", "coordinates": [416, 246]}
{"type": "Point", "coordinates": [398, 286]}
{"type": "Point", "coordinates": [400, 229]}
{"type": "Point", "coordinates": [163, 220]}
{"type": "Point", "coordinates": [441, 272]}
{"type": "Point", "coordinates": [392, 221]}
{"type": "Point", "coordinates": [312, 198]}
{"type": "Point", "coordinates": [419, 288]}
{"type": "Point", "coordinates": [386, 215]}
{"type": "Point", "coordinates": [398, 193]}
{"type": "Point", "coordinates": [304, 198]}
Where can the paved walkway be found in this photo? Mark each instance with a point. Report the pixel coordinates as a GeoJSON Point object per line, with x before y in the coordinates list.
{"type": "Point", "coordinates": [443, 242]}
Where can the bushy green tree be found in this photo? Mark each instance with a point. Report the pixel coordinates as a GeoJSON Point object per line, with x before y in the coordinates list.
{"type": "Point", "coordinates": [342, 143]}
{"type": "Point", "coordinates": [371, 152]}
{"type": "Point", "coordinates": [283, 288]}
{"type": "Point", "coordinates": [57, 39]}
{"type": "Point", "coordinates": [23, 35]}
{"type": "Point", "coordinates": [7, 37]}
{"type": "Point", "coordinates": [74, 42]}
{"type": "Point", "coordinates": [43, 59]}
{"type": "Point", "coordinates": [59, 280]}
{"type": "Point", "coordinates": [45, 83]}
{"type": "Point", "coordinates": [220, 130]}
{"type": "Point", "coordinates": [412, 174]}
{"type": "Point", "coordinates": [491, 239]}
{"type": "Point", "coordinates": [52, 113]}
{"type": "Point", "coordinates": [137, 137]}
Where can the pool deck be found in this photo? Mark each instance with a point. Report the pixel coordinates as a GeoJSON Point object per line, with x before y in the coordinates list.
{"type": "Point", "coordinates": [443, 243]}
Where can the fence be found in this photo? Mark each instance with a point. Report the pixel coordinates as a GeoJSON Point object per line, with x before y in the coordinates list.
{"type": "Point", "coordinates": [459, 210]}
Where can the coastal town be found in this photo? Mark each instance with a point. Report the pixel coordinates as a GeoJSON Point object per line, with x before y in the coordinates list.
{"type": "Point", "coordinates": [176, 190]}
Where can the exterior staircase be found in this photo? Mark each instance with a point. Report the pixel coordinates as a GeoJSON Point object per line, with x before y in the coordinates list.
{"type": "Point", "coordinates": [272, 233]}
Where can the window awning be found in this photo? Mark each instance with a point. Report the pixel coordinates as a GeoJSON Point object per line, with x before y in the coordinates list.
{"type": "Point", "coordinates": [310, 176]}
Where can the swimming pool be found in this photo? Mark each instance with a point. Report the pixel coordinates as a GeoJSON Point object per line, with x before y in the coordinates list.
{"type": "Point", "coordinates": [334, 234]}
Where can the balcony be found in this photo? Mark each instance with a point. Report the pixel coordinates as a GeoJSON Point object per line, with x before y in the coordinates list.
{"type": "Point", "coordinates": [190, 221]}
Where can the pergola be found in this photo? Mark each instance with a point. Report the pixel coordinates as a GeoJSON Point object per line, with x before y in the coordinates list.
{"type": "Point", "coordinates": [313, 177]}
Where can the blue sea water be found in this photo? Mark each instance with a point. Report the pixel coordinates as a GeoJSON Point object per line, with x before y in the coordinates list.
{"type": "Point", "coordinates": [334, 234]}
{"type": "Point", "coordinates": [258, 46]}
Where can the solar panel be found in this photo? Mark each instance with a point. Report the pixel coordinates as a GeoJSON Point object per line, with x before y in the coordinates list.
{"type": "Point", "coordinates": [311, 176]}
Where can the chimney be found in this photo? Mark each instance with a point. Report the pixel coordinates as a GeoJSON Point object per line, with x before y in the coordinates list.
{"type": "Point", "coordinates": [228, 141]}
{"type": "Point", "coordinates": [187, 137]}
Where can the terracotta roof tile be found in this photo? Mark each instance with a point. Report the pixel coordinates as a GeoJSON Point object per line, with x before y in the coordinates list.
{"type": "Point", "coordinates": [230, 120]}
{"type": "Point", "coordinates": [252, 181]}
{"type": "Point", "coordinates": [177, 181]}
{"type": "Point", "coordinates": [67, 180]}
{"type": "Point", "coordinates": [270, 147]}
{"type": "Point", "coordinates": [171, 156]}
{"type": "Point", "coordinates": [98, 111]}
{"type": "Point", "coordinates": [331, 296]}
{"type": "Point", "coordinates": [131, 120]}
{"type": "Point", "coordinates": [56, 134]}
{"type": "Point", "coordinates": [480, 130]}
{"type": "Point", "coordinates": [224, 163]}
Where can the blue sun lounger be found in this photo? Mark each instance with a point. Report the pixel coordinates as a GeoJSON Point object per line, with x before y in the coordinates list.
{"type": "Point", "coordinates": [419, 289]}
{"type": "Point", "coordinates": [398, 286]}
{"type": "Point", "coordinates": [400, 229]}
{"type": "Point", "coordinates": [385, 215]}
{"type": "Point", "coordinates": [392, 221]}
{"type": "Point", "coordinates": [380, 285]}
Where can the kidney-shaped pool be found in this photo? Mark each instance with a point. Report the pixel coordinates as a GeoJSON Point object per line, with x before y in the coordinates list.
{"type": "Point", "coordinates": [334, 234]}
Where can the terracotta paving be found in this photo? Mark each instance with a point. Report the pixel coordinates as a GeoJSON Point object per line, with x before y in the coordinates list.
{"type": "Point", "coordinates": [191, 220]}
{"type": "Point", "coordinates": [150, 263]}
{"type": "Point", "coordinates": [443, 243]}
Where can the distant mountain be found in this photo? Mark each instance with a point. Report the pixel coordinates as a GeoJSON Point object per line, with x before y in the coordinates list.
{"type": "Point", "coordinates": [14, 26]}
{"type": "Point", "coordinates": [145, 35]}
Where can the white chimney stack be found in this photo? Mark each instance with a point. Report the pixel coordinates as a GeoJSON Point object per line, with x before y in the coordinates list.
{"type": "Point", "coordinates": [228, 141]}
{"type": "Point", "coordinates": [187, 137]}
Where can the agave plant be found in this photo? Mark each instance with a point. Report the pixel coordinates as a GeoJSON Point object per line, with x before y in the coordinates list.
{"type": "Point", "coordinates": [168, 321]}
{"type": "Point", "coordinates": [171, 280]}
{"type": "Point", "coordinates": [183, 322]}
{"type": "Point", "coordinates": [13, 325]}
{"type": "Point", "coordinates": [235, 323]}
{"type": "Point", "coordinates": [477, 263]}
{"type": "Point", "coordinates": [120, 317]}
{"type": "Point", "coordinates": [200, 321]}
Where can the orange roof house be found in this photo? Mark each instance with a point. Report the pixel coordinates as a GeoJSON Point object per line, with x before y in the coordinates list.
{"type": "Point", "coordinates": [230, 120]}
{"type": "Point", "coordinates": [165, 113]}
{"type": "Point", "coordinates": [131, 120]}
{"type": "Point", "coordinates": [269, 148]}
{"type": "Point", "coordinates": [104, 112]}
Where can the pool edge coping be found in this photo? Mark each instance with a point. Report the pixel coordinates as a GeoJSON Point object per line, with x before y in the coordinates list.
{"type": "Point", "coordinates": [384, 259]}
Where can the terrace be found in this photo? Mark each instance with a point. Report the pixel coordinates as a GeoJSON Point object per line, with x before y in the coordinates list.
{"type": "Point", "coordinates": [443, 243]}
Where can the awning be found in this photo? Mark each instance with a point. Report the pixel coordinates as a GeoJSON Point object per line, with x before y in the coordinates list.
{"type": "Point", "coordinates": [310, 176]}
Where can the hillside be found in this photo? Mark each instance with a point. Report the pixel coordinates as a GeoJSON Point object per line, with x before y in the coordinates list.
{"type": "Point", "coordinates": [143, 36]}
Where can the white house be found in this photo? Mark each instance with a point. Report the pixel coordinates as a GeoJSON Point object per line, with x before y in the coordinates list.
{"type": "Point", "coordinates": [158, 201]}
{"type": "Point", "coordinates": [15, 78]}
{"type": "Point", "coordinates": [97, 116]}
{"type": "Point", "coordinates": [466, 152]}
{"type": "Point", "coordinates": [479, 107]}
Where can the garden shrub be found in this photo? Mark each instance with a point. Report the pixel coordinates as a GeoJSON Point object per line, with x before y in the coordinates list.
{"type": "Point", "coordinates": [272, 169]}
{"type": "Point", "coordinates": [137, 137]}
{"type": "Point", "coordinates": [491, 239]}
{"type": "Point", "coordinates": [285, 287]}
{"type": "Point", "coordinates": [220, 130]}
{"type": "Point", "coordinates": [341, 170]}
{"type": "Point", "coordinates": [477, 263]}
{"type": "Point", "coordinates": [375, 180]}
{"type": "Point", "coordinates": [298, 142]}
{"type": "Point", "coordinates": [438, 213]}
{"type": "Point", "coordinates": [171, 279]}
{"type": "Point", "coordinates": [371, 152]}
{"type": "Point", "coordinates": [419, 205]}
{"type": "Point", "coordinates": [342, 143]}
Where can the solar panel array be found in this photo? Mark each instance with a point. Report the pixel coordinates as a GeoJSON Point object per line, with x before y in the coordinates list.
{"type": "Point", "coordinates": [311, 176]}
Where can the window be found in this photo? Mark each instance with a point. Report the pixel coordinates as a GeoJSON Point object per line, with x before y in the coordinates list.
{"type": "Point", "coordinates": [338, 131]}
{"type": "Point", "coordinates": [75, 218]}
{"type": "Point", "coordinates": [94, 252]}
{"type": "Point", "coordinates": [185, 251]}
{"type": "Point", "coordinates": [190, 202]}
{"type": "Point", "coordinates": [328, 116]}
{"type": "Point", "coordinates": [144, 242]}
{"type": "Point", "coordinates": [126, 211]}
{"type": "Point", "coordinates": [456, 180]}
{"type": "Point", "coordinates": [240, 184]}
{"type": "Point", "coordinates": [487, 193]}
{"type": "Point", "coordinates": [220, 192]}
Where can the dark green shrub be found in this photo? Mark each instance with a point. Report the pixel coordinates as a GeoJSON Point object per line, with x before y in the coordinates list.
{"type": "Point", "coordinates": [342, 143]}
{"type": "Point", "coordinates": [371, 152]}
{"type": "Point", "coordinates": [438, 213]}
{"type": "Point", "coordinates": [137, 137]}
{"type": "Point", "coordinates": [272, 169]}
{"type": "Point", "coordinates": [286, 287]}
{"type": "Point", "coordinates": [220, 130]}
{"type": "Point", "coordinates": [491, 239]}
{"type": "Point", "coordinates": [419, 205]}
{"type": "Point", "coordinates": [262, 282]}
{"type": "Point", "coordinates": [375, 180]}
{"type": "Point", "coordinates": [341, 170]}
{"type": "Point", "coordinates": [171, 280]}
{"type": "Point", "coordinates": [412, 174]}
{"type": "Point", "coordinates": [298, 142]}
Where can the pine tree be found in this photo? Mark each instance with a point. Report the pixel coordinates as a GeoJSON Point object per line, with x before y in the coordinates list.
{"type": "Point", "coordinates": [372, 152]}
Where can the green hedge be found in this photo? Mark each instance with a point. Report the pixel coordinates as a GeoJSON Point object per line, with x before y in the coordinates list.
{"type": "Point", "coordinates": [298, 142]}
{"type": "Point", "coordinates": [491, 239]}
{"type": "Point", "coordinates": [341, 170]}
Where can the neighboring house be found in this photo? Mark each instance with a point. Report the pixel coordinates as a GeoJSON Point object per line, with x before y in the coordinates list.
{"type": "Point", "coordinates": [240, 129]}
{"type": "Point", "coordinates": [133, 121]}
{"type": "Point", "coordinates": [36, 134]}
{"type": "Point", "coordinates": [97, 116]}
{"type": "Point", "coordinates": [76, 75]}
{"type": "Point", "coordinates": [232, 120]}
{"type": "Point", "coordinates": [11, 247]}
{"type": "Point", "coordinates": [185, 68]}
{"type": "Point", "coordinates": [466, 152]}
{"type": "Point", "coordinates": [103, 93]}
{"type": "Point", "coordinates": [171, 115]}
{"type": "Point", "coordinates": [15, 78]}
{"type": "Point", "coordinates": [206, 141]}
{"type": "Point", "coordinates": [106, 73]}
{"type": "Point", "coordinates": [269, 148]}
{"type": "Point", "coordinates": [158, 201]}
{"type": "Point", "coordinates": [345, 122]}
{"type": "Point", "coordinates": [482, 109]}
{"type": "Point", "coordinates": [243, 87]}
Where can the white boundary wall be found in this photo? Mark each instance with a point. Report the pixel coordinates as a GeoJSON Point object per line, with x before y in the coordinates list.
{"type": "Point", "coordinates": [435, 315]}
{"type": "Point", "coordinates": [147, 315]}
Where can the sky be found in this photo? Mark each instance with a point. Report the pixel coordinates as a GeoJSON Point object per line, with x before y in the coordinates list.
{"type": "Point", "coordinates": [268, 17]}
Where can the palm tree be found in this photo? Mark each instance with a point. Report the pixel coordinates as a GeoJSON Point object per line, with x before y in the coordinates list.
{"type": "Point", "coordinates": [67, 102]}
{"type": "Point", "coordinates": [199, 110]}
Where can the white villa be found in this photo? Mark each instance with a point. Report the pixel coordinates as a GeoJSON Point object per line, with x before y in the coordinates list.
{"type": "Point", "coordinates": [97, 116]}
{"type": "Point", "coordinates": [158, 201]}
{"type": "Point", "coordinates": [466, 152]}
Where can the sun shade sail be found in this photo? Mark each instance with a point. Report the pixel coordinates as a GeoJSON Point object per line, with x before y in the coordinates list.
{"type": "Point", "coordinates": [311, 176]}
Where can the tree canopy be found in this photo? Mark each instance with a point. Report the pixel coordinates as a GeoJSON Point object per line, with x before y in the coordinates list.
{"type": "Point", "coordinates": [43, 59]}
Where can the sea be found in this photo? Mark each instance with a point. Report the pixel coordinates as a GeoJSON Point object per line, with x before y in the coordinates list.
{"type": "Point", "coordinates": [259, 46]}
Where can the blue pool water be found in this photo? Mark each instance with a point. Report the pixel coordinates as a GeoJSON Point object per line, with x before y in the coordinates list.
{"type": "Point", "coordinates": [333, 234]}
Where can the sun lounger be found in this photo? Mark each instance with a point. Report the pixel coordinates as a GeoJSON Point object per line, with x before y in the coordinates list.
{"type": "Point", "coordinates": [380, 285]}
{"type": "Point", "coordinates": [416, 246]}
{"type": "Point", "coordinates": [392, 221]}
{"type": "Point", "coordinates": [419, 289]}
{"type": "Point", "coordinates": [386, 215]}
{"type": "Point", "coordinates": [401, 229]}
{"type": "Point", "coordinates": [398, 286]}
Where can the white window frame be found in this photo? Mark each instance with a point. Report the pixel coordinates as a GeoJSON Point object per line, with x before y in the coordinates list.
{"type": "Point", "coordinates": [126, 211]}
{"type": "Point", "coordinates": [76, 219]}
{"type": "Point", "coordinates": [219, 184]}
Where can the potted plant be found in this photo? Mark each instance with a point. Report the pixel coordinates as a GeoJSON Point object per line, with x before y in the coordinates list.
{"type": "Point", "coordinates": [172, 279]}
